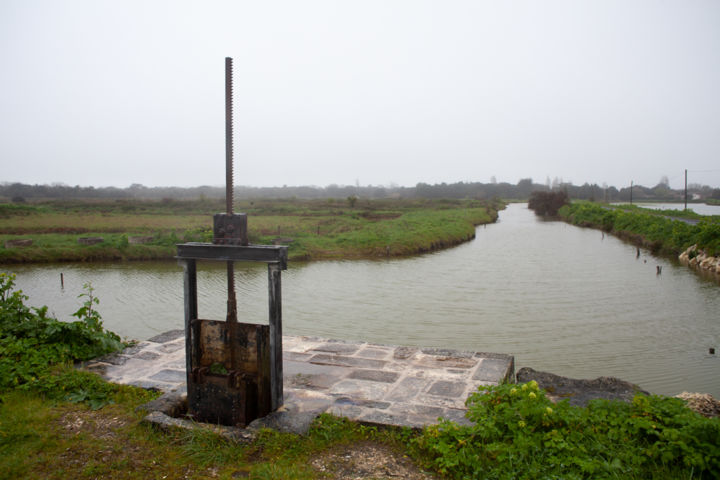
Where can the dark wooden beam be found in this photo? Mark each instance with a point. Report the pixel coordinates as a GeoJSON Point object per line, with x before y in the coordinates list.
{"type": "Point", "coordinates": [275, 320]}
{"type": "Point", "coordinates": [234, 253]}
{"type": "Point", "coordinates": [191, 309]}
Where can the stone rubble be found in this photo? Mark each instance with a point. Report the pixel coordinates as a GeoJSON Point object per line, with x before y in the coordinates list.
{"type": "Point", "coordinates": [702, 403]}
{"type": "Point", "coordinates": [699, 259]}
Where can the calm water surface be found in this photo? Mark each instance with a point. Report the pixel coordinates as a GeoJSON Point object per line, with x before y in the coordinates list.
{"type": "Point", "coordinates": [558, 297]}
{"type": "Point", "coordinates": [701, 208]}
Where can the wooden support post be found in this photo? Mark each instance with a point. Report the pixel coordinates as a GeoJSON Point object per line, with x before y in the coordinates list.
{"type": "Point", "coordinates": [191, 309]}
{"type": "Point", "coordinates": [275, 315]}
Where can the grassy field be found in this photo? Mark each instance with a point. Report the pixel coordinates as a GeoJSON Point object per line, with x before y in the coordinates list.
{"type": "Point", "coordinates": [314, 229]}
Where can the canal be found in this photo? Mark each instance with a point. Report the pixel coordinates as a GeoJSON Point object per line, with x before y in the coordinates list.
{"type": "Point", "coordinates": [560, 298]}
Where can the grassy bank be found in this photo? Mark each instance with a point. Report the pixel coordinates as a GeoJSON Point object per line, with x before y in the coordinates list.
{"type": "Point", "coordinates": [647, 228]}
{"type": "Point", "coordinates": [63, 440]}
{"type": "Point", "coordinates": [314, 229]}
{"type": "Point", "coordinates": [60, 423]}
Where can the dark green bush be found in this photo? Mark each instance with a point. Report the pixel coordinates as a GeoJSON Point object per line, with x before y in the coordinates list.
{"type": "Point", "coordinates": [547, 203]}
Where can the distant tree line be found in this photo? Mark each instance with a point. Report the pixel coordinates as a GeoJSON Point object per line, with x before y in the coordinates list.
{"type": "Point", "coordinates": [19, 192]}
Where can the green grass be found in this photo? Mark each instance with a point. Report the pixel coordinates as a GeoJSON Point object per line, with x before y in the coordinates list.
{"type": "Point", "coordinates": [650, 229]}
{"type": "Point", "coordinates": [58, 440]}
{"type": "Point", "coordinates": [314, 229]}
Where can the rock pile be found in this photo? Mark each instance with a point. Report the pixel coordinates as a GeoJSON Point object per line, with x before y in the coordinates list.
{"type": "Point", "coordinates": [580, 392]}
{"type": "Point", "coordinates": [696, 258]}
{"type": "Point", "coordinates": [702, 403]}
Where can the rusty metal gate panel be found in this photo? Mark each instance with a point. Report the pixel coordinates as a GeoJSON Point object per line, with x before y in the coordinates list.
{"type": "Point", "coordinates": [230, 372]}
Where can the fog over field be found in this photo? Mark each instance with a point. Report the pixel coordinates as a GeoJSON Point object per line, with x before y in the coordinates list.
{"type": "Point", "coordinates": [110, 93]}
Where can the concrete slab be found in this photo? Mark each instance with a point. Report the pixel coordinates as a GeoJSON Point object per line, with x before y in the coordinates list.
{"type": "Point", "coordinates": [376, 384]}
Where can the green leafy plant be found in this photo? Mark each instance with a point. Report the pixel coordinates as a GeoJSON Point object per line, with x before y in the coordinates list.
{"type": "Point", "coordinates": [35, 349]}
{"type": "Point", "coordinates": [517, 432]}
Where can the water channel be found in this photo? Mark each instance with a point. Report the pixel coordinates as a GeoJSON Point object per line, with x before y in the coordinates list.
{"type": "Point", "coordinates": [560, 298]}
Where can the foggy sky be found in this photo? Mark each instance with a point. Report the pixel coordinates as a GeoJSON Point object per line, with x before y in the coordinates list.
{"type": "Point", "coordinates": [104, 93]}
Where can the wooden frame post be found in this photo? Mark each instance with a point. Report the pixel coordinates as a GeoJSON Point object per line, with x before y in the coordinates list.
{"type": "Point", "coordinates": [191, 307]}
{"type": "Point", "coordinates": [275, 320]}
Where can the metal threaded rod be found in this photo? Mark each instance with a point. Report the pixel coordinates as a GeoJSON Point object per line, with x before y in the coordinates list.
{"type": "Point", "coordinates": [228, 136]}
{"type": "Point", "coordinates": [231, 303]}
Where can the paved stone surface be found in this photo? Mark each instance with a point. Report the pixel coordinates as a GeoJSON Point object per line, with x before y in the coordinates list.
{"type": "Point", "coordinates": [379, 384]}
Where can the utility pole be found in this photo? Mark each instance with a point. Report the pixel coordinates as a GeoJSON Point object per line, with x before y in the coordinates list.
{"type": "Point", "coordinates": [686, 189]}
{"type": "Point", "coordinates": [631, 186]}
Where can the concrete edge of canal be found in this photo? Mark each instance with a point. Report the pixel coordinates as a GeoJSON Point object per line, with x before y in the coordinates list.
{"type": "Point", "coordinates": [385, 385]}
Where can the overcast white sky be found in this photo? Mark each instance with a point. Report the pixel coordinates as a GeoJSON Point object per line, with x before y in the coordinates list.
{"type": "Point", "coordinates": [96, 92]}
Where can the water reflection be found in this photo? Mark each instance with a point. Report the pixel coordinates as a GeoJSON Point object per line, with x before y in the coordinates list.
{"type": "Point", "coordinates": [558, 297]}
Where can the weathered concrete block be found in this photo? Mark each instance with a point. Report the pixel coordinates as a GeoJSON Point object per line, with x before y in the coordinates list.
{"type": "Point", "coordinates": [407, 388]}
{"type": "Point", "coordinates": [434, 361]}
{"type": "Point", "coordinates": [147, 355]}
{"type": "Point", "coordinates": [444, 388]}
{"type": "Point", "coordinates": [375, 375]}
{"type": "Point", "coordinates": [19, 242]}
{"type": "Point", "coordinates": [170, 376]}
{"type": "Point", "coordinates": [403, 353]}
{"type": "Point", "coordinates": [491, 369]}
{"type": "Point", "coordinates": [114, 359]}
{"type": "Point", "coordinates": [336, 347]}
{"type": "Point", "coordinates": [90, 240]}
{"type": "Point", "coordinates": [343, 361]}
{"type": "Point", "coordinates": [171, 404]}
{"type": "Point", "coordinates": [377, 353]}
{"type": "Point", "coordinates": [167, 336]}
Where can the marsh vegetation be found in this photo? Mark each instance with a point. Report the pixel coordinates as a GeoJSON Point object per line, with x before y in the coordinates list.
{"type": "Point", "coordinates": [314, 229]}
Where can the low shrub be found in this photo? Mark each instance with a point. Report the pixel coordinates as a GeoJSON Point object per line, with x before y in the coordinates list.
{"type": "Point", "coordinates": [667, 235]}
{"type": "Point", "coordinates": [517, 432]}
{"type": "Point", "coordinates": [547, 203]}
{"type": "Point", "coordinates": [35, 347]}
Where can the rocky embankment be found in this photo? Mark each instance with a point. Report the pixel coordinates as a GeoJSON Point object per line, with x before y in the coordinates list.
{"type": "Point", "coordinates": [699, 259]}
{"type": "Point", "coordinates": [580, 392]}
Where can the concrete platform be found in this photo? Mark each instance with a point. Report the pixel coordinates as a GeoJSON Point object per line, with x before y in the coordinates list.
{"type": "Point", "coordinates": [369, 383]}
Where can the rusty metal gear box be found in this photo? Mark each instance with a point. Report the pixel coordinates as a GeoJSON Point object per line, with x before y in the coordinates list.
{"type": "Point", "coordinates": [230, 229]}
